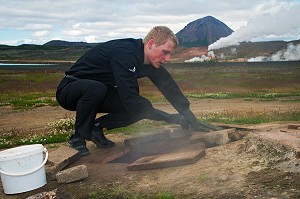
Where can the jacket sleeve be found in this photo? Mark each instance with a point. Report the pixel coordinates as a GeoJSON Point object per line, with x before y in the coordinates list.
{"type": "Point", "coordinates": [168, 87]}
{"type": "Point", "coordinates": [124, 66]}
{"type": "Point", "coordinates": [124, 69]}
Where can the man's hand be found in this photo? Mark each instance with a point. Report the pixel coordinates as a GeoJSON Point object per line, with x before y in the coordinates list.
{"type": "Point", "coordinates": [179, 119]}
{"type": "Point", "coordinates": [196, 125]}
{"type": "Point", "coordinates": [199, 126]}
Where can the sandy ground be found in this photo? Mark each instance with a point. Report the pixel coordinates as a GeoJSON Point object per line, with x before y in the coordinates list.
{"type": "Point", "coordinates": [234, 170]}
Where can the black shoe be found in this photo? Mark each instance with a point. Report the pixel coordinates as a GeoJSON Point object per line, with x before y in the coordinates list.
{"type": "Point", "coordinates": [100, 140]}
{"type": "Point", "coordinates": [80, 145]}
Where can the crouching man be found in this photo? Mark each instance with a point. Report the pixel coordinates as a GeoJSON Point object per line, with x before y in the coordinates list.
{"type": "Point", "coordinates": [105, 80]}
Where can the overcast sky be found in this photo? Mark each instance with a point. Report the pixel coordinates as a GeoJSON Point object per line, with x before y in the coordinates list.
{"type": "Point", "coordinates": [39, 21]}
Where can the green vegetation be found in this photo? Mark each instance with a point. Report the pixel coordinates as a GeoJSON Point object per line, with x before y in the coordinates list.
{"type": "Point", "coordinates": [24, 90]}
{"type": "Point", "coordinates": [247, 96]}
{"type": "Point", "coordinates": [120, 192]}
{"type": "Point", "coordinates": [203, 177]}
{"type": "Point", "coordinates": [21, 100]}
{"type": "Point", "coordinates": [250, 117]}
{"type": "Point", "coordinates": [164, 195]}
{"type": "Point", "coordinates": [59, 131]}
{"type": "Point", "coordinates": [240, 78]}
{"type": "Point", "coordinates": [41, 52]}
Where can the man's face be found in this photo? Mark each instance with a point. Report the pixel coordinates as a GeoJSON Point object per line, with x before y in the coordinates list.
{"type": "Point", "coordinates": [158, 55]}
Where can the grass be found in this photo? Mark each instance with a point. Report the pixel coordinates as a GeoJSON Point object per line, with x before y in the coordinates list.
{"type": "Point", "coordinates": [227, 95]}
{"type": "Point", "coordinates": [203, 177]}
{"type": "Point", "coordinates": [120, 192]}
{"type": "Point", "coordinates": [28, 100]}
{"type": "Point", "coordinates": [250, 116]}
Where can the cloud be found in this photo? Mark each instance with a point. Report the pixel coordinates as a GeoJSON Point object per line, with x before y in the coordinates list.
{"type": "Point", "coordinates": [40, 33]}
{"type": "Point", "coordinates": [34, 27]}
{"type": "Point", "coordinates": [92, 20]}
{"type": "Point", "coordinates": [276, 21]}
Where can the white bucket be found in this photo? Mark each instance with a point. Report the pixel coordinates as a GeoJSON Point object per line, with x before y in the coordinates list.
{"type": "Point", "coordinates": [22, 168]}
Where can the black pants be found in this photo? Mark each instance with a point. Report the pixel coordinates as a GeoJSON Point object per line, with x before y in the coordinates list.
{"type": "Point", "coordinates": [89, 97]}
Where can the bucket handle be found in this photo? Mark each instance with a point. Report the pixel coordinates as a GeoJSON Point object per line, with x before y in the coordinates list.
{"type": "Point", "coordinates": [28, 172]}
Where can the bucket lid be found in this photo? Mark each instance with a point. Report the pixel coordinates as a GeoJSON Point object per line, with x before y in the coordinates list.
{"type": "Point", "coordinates": [21, 151]}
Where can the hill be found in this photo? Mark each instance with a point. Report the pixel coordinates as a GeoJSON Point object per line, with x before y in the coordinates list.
{"type": "Point", "coordinates": [203, 32]}
{"type": "Point", "coordinates": [39, 53]}
{"type": "Point", "coordinates": [62, 43]}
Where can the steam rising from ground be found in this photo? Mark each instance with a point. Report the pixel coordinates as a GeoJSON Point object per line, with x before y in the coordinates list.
{"type": "Point", "coordinates": [270, 25]}
{"type": "Point", "coordinates": [292, 53]}
{"type": "Point", "coordinates": [210, 55]}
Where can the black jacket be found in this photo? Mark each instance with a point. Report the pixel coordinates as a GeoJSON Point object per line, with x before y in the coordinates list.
{"type": "Point", "coordinates": [120, 63]}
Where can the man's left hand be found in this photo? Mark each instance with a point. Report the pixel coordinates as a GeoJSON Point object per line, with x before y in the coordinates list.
{"type": "Point", "coordinates": [179, 119]}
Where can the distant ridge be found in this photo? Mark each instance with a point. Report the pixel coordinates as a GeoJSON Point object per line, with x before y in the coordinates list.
{"type": "Point", "coordinates": [67, 43]}
{"type": "Point", "coordinates": [203, 32]}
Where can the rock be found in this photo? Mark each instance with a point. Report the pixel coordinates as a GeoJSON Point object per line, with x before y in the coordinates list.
{"type": "Point", "coordinates": [72, 174]}
{"type": "Point", "coordinates": [49, 195]}
{"type": "Point", "coordinates": [217, 138]}
{"type": "Point", "coordinates": [234, 136]}
{"type": "Point", "coordinates": [293, 126]}
{"type": "Point", "coordinates": [252, 149]}
{"type": "Point", "coordinates": [60, 159]}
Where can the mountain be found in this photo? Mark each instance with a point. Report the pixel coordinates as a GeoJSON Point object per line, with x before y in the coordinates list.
{"type": "Point", "coordinates": [68, 44]}
{"type": "Point", "coordinates": [203, 32]}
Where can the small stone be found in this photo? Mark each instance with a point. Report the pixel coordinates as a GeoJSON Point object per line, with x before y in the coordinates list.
{"type": "Point", "coordinates": [217, 138]}
{"type": "Point", "coordinates": [72, 174]}
{"type": "Point", "coordinates": [234, 136]}
{"type": "Point", "coordinates": [49, 194]}
{"type": "Point", "coordinates": [252, 148]}
{"type": "Point", "coordinates": [293, 126]}
{"type": "Point", "coordinates": [60, 159]}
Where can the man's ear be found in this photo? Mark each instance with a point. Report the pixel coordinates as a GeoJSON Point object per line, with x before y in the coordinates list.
{"type": "Point", "coordinates": [151, 43]}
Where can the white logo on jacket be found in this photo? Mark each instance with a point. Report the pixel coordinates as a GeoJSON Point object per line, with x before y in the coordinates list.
{"type": "Point", "coordinates": [132, 70]}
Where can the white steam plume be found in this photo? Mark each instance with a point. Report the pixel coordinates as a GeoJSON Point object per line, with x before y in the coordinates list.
{"type": "Point", "coordinates": [281, 22]}
{"type": "Point", "coordinates": [210, 55]}
{"type": "Point", "coordinates": [292, 53]}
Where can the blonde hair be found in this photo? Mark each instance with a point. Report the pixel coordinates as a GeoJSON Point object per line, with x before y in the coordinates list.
{"type": "Point", "coordinates": [161, 34]}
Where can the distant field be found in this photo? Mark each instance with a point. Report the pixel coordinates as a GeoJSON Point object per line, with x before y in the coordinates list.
{"type": "Point", "coordinates": [239, 78]}
{"type": "Point", "coordinates": [210, 79]}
